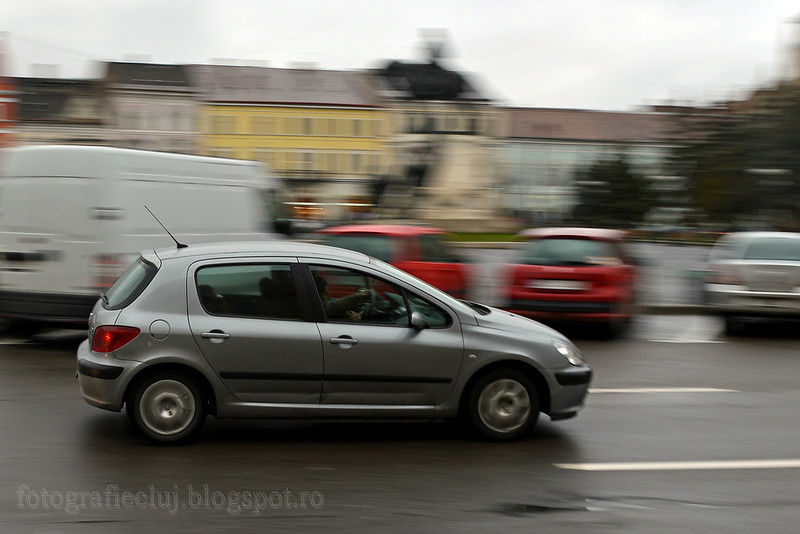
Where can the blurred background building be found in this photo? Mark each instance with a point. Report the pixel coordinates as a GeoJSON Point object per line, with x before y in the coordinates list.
{"type": "Point", "coordinates": [543, 152]}
{"type": "Point", "coordinates": [324, 132]}
{"type": "Point", "coordinates": [408, 139]}
{"type": "Point", "coordinates": [151, 106]}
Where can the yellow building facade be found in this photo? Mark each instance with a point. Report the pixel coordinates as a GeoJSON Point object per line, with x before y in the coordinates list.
{"type": "Point", "coordinates": [320, 131]}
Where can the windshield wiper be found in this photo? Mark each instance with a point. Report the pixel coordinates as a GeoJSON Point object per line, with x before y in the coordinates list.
{"type": "Point", "coordinates": [104, 298]}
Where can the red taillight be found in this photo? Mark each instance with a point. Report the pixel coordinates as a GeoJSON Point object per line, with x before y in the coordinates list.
{"type": "Point", "coordinates": [111, 338]}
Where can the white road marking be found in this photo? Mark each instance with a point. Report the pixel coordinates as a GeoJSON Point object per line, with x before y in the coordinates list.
{"type": "Point", "coordinates": [687, 341]}
{"type": "Point", "coordinates": [695, 331]}
{"type": "Point", "coordinates": [14, 341]}
{"type": "Point", "coordinates": [683, 466]}
{"type": "Point", "coordinates": [661, 390]}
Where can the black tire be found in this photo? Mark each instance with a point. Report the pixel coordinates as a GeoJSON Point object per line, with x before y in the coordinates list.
{"type": "Point", "coordinates": [616, 328]}
{"type": "Point", "coordinates": [503, 405]}
{"type": "Point", "coordinates": [168, 407]}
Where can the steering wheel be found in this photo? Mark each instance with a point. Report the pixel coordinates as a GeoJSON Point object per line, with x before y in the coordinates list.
{"type": "Point", "coordinates": [368, 306]}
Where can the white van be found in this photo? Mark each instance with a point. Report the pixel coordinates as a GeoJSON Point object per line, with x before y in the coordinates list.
{"type": "Point", "coordinates": [73, 217]}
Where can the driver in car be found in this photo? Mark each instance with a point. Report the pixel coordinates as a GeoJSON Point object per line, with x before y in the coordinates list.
{"type": "Point", "coordinates": [349, 307]}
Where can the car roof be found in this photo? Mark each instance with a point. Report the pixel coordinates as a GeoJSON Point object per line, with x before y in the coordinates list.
{"type": "Point", "coordinates": [395, 230]}
{"type": "Point", "coordinates": [605, 234]}
{"type": "Point", "coordinates": [759, 234]}
{"type": "Point", "coordinates": [254, 248]}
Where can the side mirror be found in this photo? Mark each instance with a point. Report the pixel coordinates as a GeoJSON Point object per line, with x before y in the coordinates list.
{"type": "Point", "coordinates": [418, 322]}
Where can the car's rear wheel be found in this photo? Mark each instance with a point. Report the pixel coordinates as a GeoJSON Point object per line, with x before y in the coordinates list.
{"type": "Point", "coordinates": [168, 407]}
{"type": "Point", "coordinates": [734, 326]}
{"type": "Point", "coordinates": [503, 404]}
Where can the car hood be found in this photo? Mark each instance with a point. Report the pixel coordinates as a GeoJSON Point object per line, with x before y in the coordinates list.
{"type": "Point", "coordinates": [510, 322]}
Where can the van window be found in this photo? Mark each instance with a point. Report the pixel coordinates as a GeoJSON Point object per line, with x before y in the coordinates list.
{"type": "Point", "coordinates": [129, 285]}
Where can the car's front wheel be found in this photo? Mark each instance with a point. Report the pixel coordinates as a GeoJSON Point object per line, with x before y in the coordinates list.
{"type": "Point", "coordinates": [168, 407]}
{"type": "Point", "coordinates": [503, 404]}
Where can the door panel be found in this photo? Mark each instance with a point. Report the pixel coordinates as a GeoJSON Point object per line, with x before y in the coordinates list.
{"type": "Point", "coordinates": [252, 333]}
{"type": "Point", "coordinates": [372, 354]}
{"type": "Point", "coordinates": [389, 365]}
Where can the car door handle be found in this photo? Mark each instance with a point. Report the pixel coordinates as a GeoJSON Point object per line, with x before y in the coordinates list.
{"type": "Point", "coordinates": [215, 335]}
{"type": "Point", "coordinates": [344, 340]}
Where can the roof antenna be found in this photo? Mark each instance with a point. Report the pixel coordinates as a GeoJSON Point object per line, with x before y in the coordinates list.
{"type": "Point", "coordinates": [180, 245]}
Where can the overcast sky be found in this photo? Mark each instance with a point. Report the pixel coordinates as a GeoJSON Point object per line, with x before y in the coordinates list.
{"type": "Point", "coordinates": [587, 54]}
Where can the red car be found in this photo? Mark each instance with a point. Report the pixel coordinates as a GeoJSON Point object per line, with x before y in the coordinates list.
{"type": "Point", "coordinates": [573, 274]}
{"type": "Point", "coordinates": [421, 251]}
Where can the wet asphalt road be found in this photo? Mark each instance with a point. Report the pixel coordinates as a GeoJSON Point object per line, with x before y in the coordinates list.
{"type": "Point", "coordinates": [675, 390]}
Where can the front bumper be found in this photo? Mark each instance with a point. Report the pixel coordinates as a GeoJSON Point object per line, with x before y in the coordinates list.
{"type": "Point", "coordinates": [569, 397]}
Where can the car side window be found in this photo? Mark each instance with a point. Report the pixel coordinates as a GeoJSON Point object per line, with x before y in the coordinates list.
{"type": "Point", "coordinates": [353, 296]}
{"type": "Point", "coordinates": [264, 291]}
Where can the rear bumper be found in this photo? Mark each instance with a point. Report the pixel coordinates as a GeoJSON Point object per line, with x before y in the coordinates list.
{"type": "Point", "coordinates": [724, 300]}
{"type": "Point", "coordinates": [568, 310]}
{"type": "Point", "coordinates": [46, 307]}
{"type": "Point", "coordinates": [102, 378]}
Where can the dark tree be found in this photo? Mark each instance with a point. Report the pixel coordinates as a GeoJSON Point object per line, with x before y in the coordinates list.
{"type": "Point", "coordinates": [611, 194]}
{"type": "Point", "coordinates": [742, 163]}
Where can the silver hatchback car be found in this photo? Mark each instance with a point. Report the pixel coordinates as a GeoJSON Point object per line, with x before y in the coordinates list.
{"type": "Point", "coordinates": [290, 330]}
{"type": "Point", "coordinates": [754, 274]}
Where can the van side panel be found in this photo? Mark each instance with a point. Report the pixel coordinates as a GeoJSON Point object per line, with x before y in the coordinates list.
{"type": "Point", "coordinates": [72, 218]}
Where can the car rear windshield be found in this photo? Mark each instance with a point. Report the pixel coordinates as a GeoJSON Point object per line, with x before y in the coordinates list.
{"type": "Point", "coordinates": [569, 251]}
{"type": "Point", "coordinates": [377, 246]}
{"type": "Point", "coordinates": [773, 248]}
{"type": "Point", "coordinates": [129, 285]}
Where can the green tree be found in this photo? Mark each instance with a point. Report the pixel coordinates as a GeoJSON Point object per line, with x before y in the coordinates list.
{"type": "Point", "coordinates": [611, 194]}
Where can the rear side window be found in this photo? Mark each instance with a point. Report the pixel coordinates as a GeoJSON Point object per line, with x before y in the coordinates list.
{"type": "Point", "coordinates": [566, 251]}
{"type": "Point", "coordinates": [262, 291]}
{"type": "Point", "coordinates": [129, 285]}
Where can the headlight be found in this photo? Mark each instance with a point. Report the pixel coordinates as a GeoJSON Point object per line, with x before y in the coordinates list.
{"type": "Point", "coordinates": [572, 354]}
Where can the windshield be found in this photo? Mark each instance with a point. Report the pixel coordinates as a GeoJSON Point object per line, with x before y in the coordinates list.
{"type": "Point", "coordinates": [129, 285]}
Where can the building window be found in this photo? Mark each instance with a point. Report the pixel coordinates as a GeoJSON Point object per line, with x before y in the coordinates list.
{"type": "Point", "coordinates": [451, 123]}
{"type": "Point", "coordinates": [262, 125]}
{"type": "Point", "coordinates": [294, 126]}
{"type": "Point", "coordinates": [223, 124]}
{"type": "Point", "coordinates": [333, 162]}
